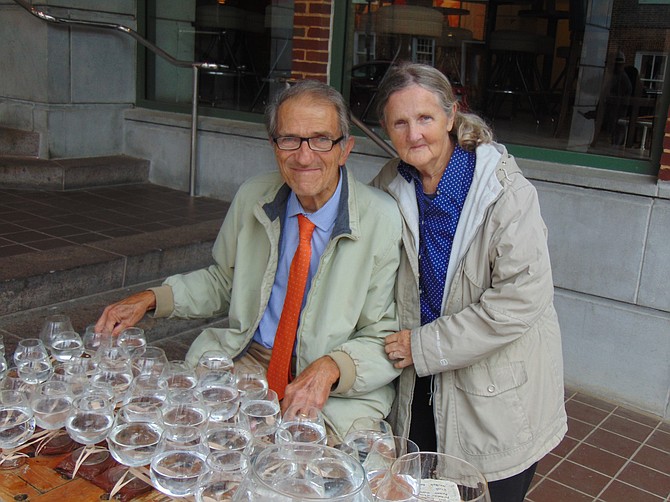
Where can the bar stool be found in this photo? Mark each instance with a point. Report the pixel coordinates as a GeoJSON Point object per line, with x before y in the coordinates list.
{"type": "Point", "coordinates": [450, 45]}
{"type": "Point", "coordinates": [515, 72]}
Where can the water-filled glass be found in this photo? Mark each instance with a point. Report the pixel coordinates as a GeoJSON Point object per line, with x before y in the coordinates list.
{"type": "Point", "coordinates": [301, 424]}
{"type": "Point", "coordinates": [180, 461]}
{"type": "Point", "coordinates": [434, 477]}
{"type": "Point", "coordinates": [17, 425]}
{"type": "Point", "coordinates": [364, 431]}
{"type": "Point", "coordinates": [32, 361]}
{"type": "Point", "coordinates": [304, 471]}
{"type": "Point", "coordinates": [133, 341]}
{"type": "Point", "coordinates": [136, 432]}
{"type": "Point", "coordinates": [226, 470]}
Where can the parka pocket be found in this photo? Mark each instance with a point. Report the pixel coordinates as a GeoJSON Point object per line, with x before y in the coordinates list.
{"type": "Point", "coordinates": [489, 411]}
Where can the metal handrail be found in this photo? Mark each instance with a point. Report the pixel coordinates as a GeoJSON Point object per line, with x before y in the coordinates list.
{"type": "Point", "coordinates": [196, 66]}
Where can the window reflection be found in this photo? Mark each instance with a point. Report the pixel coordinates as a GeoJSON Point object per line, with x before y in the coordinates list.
{"type": "Point", "coordinates": [568, 74]}
{"type": "Point", "coordinates": [578, 75]}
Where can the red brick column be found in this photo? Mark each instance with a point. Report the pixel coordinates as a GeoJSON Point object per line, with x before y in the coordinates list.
{"type": "Point", "coordinates": [664, 171]}
{"type": "Point", "coordinates": [311, 39]}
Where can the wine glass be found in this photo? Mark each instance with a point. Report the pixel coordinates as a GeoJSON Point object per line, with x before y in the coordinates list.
{"type": "Point", "coordinates": [301, 424]}
{"type": "Point", "coordinates": [364, 431]}
{"type": "Point", "coordinates": [113, 368]}
{"type": "Point", "coordinates": [3, 361]}
{"type": "Point", "coordinates": [32, 361]}
{"type": "Point", "coordinates": [51, 403]}
{"type": "Point", "coordinates": [133, 442]}
{"type": "Point", "coordinates": [53, 325]}
{"type": "Point", "coordinates": [65, 345]}
{"type": "Point", "coordinates": [135, 434]}
{"type": "Point", "coordinates": [151, 362]}
{"type": "Point", "coordinates": [226, 470]}
{"type": "Point", "coordinates": [89, 421]}
{"type": "Point", "coordinates": [228, 437]}
{"type": "Point", "coordinates": [383, 453]}
{"type": "Point", "coordinates": [132, 341]}
{"type": "Point", "coordinates": [93, 340]}
{"type": "Point", "coordinates": [434, 477]}
{"type": "Point", "coordinates": [261, 415]}
{"type": "Point", "coordinates": [252, 381]}
{"type": "Point", "coordinates": [17, 426]}
{"type": "Point", "coordinates": [146, 388]}
{"type": "Point", "coordinates": [219, 393]}
{"type": "Point", "coordinates": [184, 407]}
{"type": "Point", "coordinates": [180, 460]}
{"type": "Point", "coordinates": [179, 375]}
{"type": "Point", "coordinates": [213, 360]}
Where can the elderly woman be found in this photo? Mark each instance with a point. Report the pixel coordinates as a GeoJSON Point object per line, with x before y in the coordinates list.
{"type": "Point", "coordinates": [481, 345]}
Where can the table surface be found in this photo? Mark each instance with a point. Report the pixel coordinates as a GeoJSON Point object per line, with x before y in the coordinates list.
{"type": "Point", "coordinates": [37, 481]}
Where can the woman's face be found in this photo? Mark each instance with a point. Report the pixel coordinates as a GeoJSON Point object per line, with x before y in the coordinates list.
{"type": "Point", "coordinates": [419, 128]}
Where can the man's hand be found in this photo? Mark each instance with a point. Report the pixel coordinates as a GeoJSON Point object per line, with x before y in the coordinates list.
{"type": "Point", "coordinates": [312, 386]}
{"type": "Point", "coordinates": [399, 348]}
{"type": "Point", "coordinates": [126, 313]}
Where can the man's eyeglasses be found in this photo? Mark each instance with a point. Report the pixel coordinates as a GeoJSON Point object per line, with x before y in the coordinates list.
{"type": "Point", "coordinates": [316, 143]}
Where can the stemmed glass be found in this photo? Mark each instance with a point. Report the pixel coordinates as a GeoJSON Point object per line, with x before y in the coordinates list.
{"type": "Point", "coordinates": [252, 381]}
{"type": "Point", "coordinates": [51, 403]}
{"type": "Point", "coordinates": [146, 388]}
{"type": "Point", "coordinates": [151, 362]}
{"type": "Point", "coordinates": [93, 340]}
{"type": "Point", "coordinates": [66, 345]}
{"type": "Point", "coordinates": [364, 431]}
{"type": "Point", "coordinates": [54, 325]}
{"type": "Point", "coordinates": [226, 471]}
{"type": "Point", "coordinates": [114, 369]}
{"type": "Point", "coordinates": [383, 453]}
{"type": "Point", "coordinates": [90, 420]}
{"type": "Point", "coordinates": [32, 361]}
{"type": "Point", "coordinates": [219, 393]}
{"type": "Point", "coordinates": [17, 426]}
{"type": "Point", "coordinates": [132, 341]}
{"type": "Point", "coordinates": [213, 360]}
{"type": "Point", "coordinates": [133, 440]}
{"type": "Point", "coordinates": [433, 477]}
{"type": "Point", "coordinates": [184, 407]}
{"type": "Point", "coordinates": [302, 424]}
{"type": "Point", "coordinates": [179, 375]}
{"type": "Point", "coordinates": [180, 460]}
{"type": "Point", "coordinates": [262, 417]}
{"type": "Point", "coordinates": [3, 362]}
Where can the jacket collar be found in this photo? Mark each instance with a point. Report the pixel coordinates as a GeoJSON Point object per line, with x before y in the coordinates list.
{"type": "Point", "coordinates": [347, 211]}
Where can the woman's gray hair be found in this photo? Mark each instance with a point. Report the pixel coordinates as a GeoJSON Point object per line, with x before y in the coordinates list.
{"type": "Point", "coordinates": [314, 89]}
{"type": "Point", "coordinates": [470, 129]}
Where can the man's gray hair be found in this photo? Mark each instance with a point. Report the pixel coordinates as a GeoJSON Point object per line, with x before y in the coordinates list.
{"type": "Point", "coordinates": [314, 89]}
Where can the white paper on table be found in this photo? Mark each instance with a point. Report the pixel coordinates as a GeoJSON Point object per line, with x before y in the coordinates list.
{"type": "Point", "coordinates": [440, 489]}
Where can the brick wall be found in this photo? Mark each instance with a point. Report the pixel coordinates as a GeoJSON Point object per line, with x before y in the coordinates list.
{"type": "Point", "coordinates": [311, 39]}
{"type": "Point", "coordinates": [664, 171]}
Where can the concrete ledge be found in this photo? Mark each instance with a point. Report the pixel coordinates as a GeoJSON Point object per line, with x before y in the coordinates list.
{"type": "Point", "coordinates": [42, 278]}
{"type": "Point", "coordinates": [68, 174]}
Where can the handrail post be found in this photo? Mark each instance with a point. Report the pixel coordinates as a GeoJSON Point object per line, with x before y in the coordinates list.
{"type": "Point", "coordinates": [194, 133]}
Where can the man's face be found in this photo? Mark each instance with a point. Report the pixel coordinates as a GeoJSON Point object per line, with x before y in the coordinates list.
{"type": "Point", "coordinates": [313, 176]}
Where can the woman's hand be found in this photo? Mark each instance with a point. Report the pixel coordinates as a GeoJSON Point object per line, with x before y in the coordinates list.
{"type": "Point", "coordinates": [399, 348]}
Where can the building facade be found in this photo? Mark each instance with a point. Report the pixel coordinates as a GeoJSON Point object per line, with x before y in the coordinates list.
{"type": "Point", "coordinates": [88, 91]}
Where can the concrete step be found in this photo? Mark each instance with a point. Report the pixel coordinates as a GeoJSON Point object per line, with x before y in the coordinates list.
{"type": "Point", "coordinates": [70, 174]}
{"type": "Point", "coordinates": [16, 142]}
{"type": "Point", "coordinates": [39, 279]}
{"type": "Point", "coordinates": [172, 335]}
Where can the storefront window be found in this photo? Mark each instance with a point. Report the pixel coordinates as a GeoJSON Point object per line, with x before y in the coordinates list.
{"type": "Point", "coordinates": [577, 75]}
{"type": "Point", "coordinates": [581, 76]}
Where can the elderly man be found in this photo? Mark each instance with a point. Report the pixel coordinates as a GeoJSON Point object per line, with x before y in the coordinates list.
{"type": "Point", "coordinates": [312, 218]}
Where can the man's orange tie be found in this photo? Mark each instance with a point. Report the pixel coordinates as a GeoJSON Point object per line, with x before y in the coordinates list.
{"type": "Point", "coordinates": [282, 351]}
